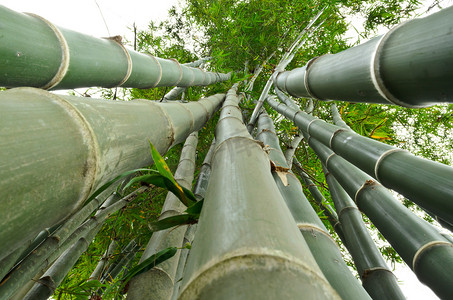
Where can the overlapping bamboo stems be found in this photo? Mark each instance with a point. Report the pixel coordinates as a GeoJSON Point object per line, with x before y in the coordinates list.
{"type": "Point", "coordinates": [88, 142]}
{"type": "Point", "coordinates": [126, 259]}
{"type": "Point", "coordinates": [199, 191]}
{"type": "Point", "coordinates": [100, 267]}
{"type": "Point", "coordinates": [327, 210]}
{"type": "Point", "coordinates": [158, 282]}
{"type": "Point", "coordinates": [426, 183]}
{"type": "Point", "coordinates": [37, 53]}
{"type": "Point", "coordinates": [323, 247]}
{"type": "Point", "coordinates": [377, 278]}
{"type": "Point", "coordinates": [48, 252]}
{"type": "Point", "coordinates": [286, 59]}
{"type": "Point", "coordinates": [247, 243]}
{"type": "Point", "coordinates": [411, 65]}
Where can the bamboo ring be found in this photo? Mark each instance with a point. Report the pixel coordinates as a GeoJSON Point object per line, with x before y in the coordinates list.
{"type": "Point", "coordinates": [64, 64]}
{"type": "Point", "coordinates": [128, 57]}
{"type": "Point", "coordinates": [425, 247]}
{"type": "Point", "coordinates": [334, 134]}
{"type": "Point", "coordinates": [381, 158]}
{"type": "Point", "coordinates": [306, 72]}
{"type": "Point", "coordinates": [160, 72]}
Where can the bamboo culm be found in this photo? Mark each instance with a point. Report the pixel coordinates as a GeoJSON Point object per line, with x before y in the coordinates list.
{"type": "Point", "coordinates": [411, 65]}
{"type": "Point", "coordinates": [235, 251]}
{"type": "Point", "coordinates": [100, 267]}
{"type": "Point", "coordinates": [37, 53]}
{"type": "Point", "coordinates": [377, 278]}
{"type": "Point", "coordinates": [427, 252]}
{"type": "Point", "coordinates": [323, 247]}
{"type": "Point", "coordinates": [89, 142]}
{"type": "Point", "coordinates": [158, 283]}
{"type": "Point", "coordinates": [426, 183]}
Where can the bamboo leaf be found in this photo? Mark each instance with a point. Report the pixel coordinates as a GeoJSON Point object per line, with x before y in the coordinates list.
{"type": "Point", "coordinates": [195, 209]}
{"type": "Point", "coordinates": [172, 221]}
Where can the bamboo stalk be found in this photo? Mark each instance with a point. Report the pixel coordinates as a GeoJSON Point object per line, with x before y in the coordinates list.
{"type": "Point", "coordinates": [419, 244]}
{"type": "Point", "coordinates": [123, 262]}
{"type": "Point", "coordinates": [108, 274]}
{"type": "Point", "coordinates": [426, 183]}
{"type": "Point", "coordinates": [377, 278]}
{"type": "Point", "coordinates": [411, 65]}
{"type": "Point", "coordinates": [158, 283]}
{"type": "Point", "coordinates": [247, 243]}
{"type": "Point", "coordinates": [88, 142]}
{"type": "Point", "coordinates": [100, 267]}
{"type": "Point", "coordinates": [37, 53]}
{"type": "Point", "coordinates": [324, 249]}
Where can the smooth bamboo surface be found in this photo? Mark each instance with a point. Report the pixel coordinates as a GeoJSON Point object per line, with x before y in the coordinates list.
{"type": "Point", "coordinates": [39, 54]}
{"type": "Point", "coordinates": [411, 65]}
{"type": "Point", "coordinates": [62, 148]}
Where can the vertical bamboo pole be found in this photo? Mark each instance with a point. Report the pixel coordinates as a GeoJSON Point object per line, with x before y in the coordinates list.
{"type": "Point", "coordinates": [247, 243]}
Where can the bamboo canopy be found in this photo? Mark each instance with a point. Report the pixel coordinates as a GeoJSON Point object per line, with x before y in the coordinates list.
{"type": "Point", "coordinates": [411, 65]}
{"type": "Point", "coordinates": [37, 53]}
{"type": "Point", "coordinates": [247, 243]}
{"type": "Point", "coordinates": [81, 143]}
{"type": "Point", "coordinates": [427, 183]}
{"type": "Point", "coordinates": [158, 282]}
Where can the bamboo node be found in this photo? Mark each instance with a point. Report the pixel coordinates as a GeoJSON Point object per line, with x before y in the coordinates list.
{"type": "Point", "coordinates": [423, 249]}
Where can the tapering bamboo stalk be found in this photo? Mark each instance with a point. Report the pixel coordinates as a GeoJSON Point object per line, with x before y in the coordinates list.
{"type": "Point", "coordinates": [419, 244]}
{"type": "Point", "coordinates": [199, 191]}
{"type": "Point", "coordinates": [37, 53]}
{"type": "Point", "coordinates": [328, 211]}
{"type": "Point", "coordinates": [107, 276]}
{"type": "Point", "coordinates": [377, 278]}
{"type": "Point", "coordinates": [88, 142]}
{"type": "Point", "coordinates": [427, 183]}
{"type": "Point", "coordinates": [324, 249]}
{"type": "Point", "coordinates": [174, 93]}
{"type": "Point", "coordinates": [158, 283]}
{"type": "Point", "coordinates": [122, 263]}
{"type": "Point", "coordinates": [247, 243]}
{"type": "Point", "coordinates": [198, 63]}
{"type": "Point", "coordinates": [48, 252]}
{"type": "Point", "coordinates": [411, 65]}
{"type": "Point", "coordinates": [100, 267]}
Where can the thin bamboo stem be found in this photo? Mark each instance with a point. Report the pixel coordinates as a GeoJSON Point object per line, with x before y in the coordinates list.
{"type": "Point", "coordinates": [99, 270]}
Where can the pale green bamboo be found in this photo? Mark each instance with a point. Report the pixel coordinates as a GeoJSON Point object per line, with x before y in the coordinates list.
{"type": "Point", "coordinates": [37, 53]}
{"type": "Point", "coordinates": [88, 142]}
{"type": "Point", "coordinates": [428, 184]}
{"type": "Point", "coordinates": [323, 247]}
{"type": "Point", "coordinates": [107, 275]}
{"type": "Point", "coordinates": [122, 263]}
{"type": "Point", "coordinates": [247, 243]}
{"type": "Point", "coordinates": [377, 278]}
{"type": "Point", "coordinates": [100, 267]}
{"type": "Point", "coordinates": [48, 253]}
{"type": "Point", "coordinates": [199, 191]}
{"type": "Point", "coordinates": [411, 65]}
{"type": "Point", "coordinates": [158, 283]}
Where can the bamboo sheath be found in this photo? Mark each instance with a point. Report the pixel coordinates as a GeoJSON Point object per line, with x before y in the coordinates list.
{"type": "Point", "coordinates": [411, 65]}
{"type": "Point", "coordinates": [247, 245]}
{"type": "Point", "coordinates": [377, 278]}
{"type": "Point", "coordinates": [418, 243]}
{"type": "Point", "coordinates": [324, 249]}
{"type": "Point", "coordinates": [37, 53]}
{"type": "Point", "coordinates": [427, 183]}
{"type": "Point", "coordinates": [158, 282]}
{"type": "Point", "coordinates": [87, 143]}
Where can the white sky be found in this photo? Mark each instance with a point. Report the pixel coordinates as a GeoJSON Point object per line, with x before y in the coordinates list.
{"type": "Point", "coordinates": [84, 16]}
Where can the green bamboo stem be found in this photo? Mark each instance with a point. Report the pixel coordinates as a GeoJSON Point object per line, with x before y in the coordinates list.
{"type": "Point", "coordinates": [418, 243]}
{"type": "Point", "coordinates": [428, 184]}
{"type": "Point", "coordinates": [37, 53]}
{"type": "Point", "coordinates": [411, 65]}
{"type": "Point", "coordinates": [377, 278]}
{"type": "Point", "coordinates": [324, 249]}
{"type": "Point", "coordinates": [243, 247]}
{"type": "Point", "coordinates": [48, 252]}
{"type": "Point", "coordinates": [198, 63]}
{"type": "Point", "coordinates": [88, 142]}
{"type": "Point", "coordinates": [328, 211]}
{"type": "Point", "coordinates": [107, 275]}
{"type": "Point", "coordinates": [129, 255]}
{"type": "Point", "coordinates": [205, 172]}
{"type": "Point", "coordinates": [174, 93]}
{"type": "Point", "coordinates": [100, 267]}
{"type": "Point", "coordinates": [158, 283]}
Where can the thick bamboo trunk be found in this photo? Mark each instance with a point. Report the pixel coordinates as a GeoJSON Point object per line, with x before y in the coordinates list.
{"type": "Point", "coordinates": [80, 144]}
{"type": "Point", "coordinates": [37, 53]}
{"type": "Point", "coordinates": [427, 183]}
{"type": "Point", "coordinates": [247, 245]}
{"type": "Point", "coordinates": [418, 243]}
{"type": "Point", "coordinates": [323, 247]}
{"type": "Point", "coordinates": [411, 65]}
{"type": "Point", "coordinates": [377, 278]}
{"type": "Point", "coordinates": [158, 282]}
